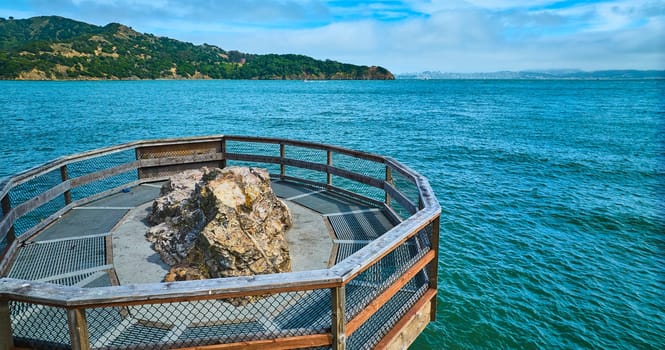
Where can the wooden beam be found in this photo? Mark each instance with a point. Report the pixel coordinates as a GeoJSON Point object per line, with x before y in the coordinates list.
{"type": "Point", "coordinates": [389, 181]}
{"type": "Point", "coordinates": [188, 159]}
{"type": "Point", "coordinates": [338, 318]}
{"type": "Point", "coordinates": [329, 162]}
{"type": "Point", "coordinates": [411, 316]}
{"type": "Point", "coordinates": [433, 270]}
{"type": "Point", "coordinates": [282, 155]}
{"type": "Point", "coordinates": [310, 145]}
{"type": "Point", "coordinates": [102, 174]}
{"type": "Point", "coordinates": [295, 342]}
{"type": "Point", "coordinates": [7, 223]}
{"type": "Point", "coordinates": [384, 297]}
{"type": "Point", "coordinates": [78, 329]}
{"type": "Point", "coordinates": [6, 335]}
{"type": "Point", "coordinates": [400, 198]}
{"type": "Point", "coordinates": [157, 293]}
{"type": "Point", "coordinates": [64, 176]}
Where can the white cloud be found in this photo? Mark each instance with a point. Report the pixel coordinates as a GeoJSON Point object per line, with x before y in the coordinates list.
{"type": "Point", "coordinates": [412, 35]}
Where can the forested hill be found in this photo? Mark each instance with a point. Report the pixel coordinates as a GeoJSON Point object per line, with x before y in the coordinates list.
{"type": "Point", "coordinates": [46, 48]}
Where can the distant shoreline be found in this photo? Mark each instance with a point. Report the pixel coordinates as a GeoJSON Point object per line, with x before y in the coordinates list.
{"type": "Point", "coordinates": [625, 74]}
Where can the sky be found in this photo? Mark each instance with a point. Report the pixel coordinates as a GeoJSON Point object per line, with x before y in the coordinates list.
{"type": "Point", "coordinates": [403, 36]}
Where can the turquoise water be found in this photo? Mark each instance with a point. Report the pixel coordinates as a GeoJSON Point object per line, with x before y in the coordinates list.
{"type": "Point", "coordinates": [553, 219]}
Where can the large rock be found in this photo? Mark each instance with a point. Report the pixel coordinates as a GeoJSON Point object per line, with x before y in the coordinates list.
{"type": "Point", "coordinates": [220, 223]}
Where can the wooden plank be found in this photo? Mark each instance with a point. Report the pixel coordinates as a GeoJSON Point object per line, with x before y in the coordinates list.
{"type": "Point", "coordinates": [64, 177]}
{"type": "Point", "coordinates": [338, 317]}
{"type": "Point", "coordinates": [389, 182]}
{"type": "Point", "coordinates": [254, 158]}
{"type": "Point", "coordinates": [400, 198]}
{"type": "Point", "coordinates": [404, 170]}
{"type": "Point", "coordinates": [385, 296]}
{"type": "Point", "coordinates": [329, 162]}
{"type": "Point", "coordinates": [154, 293]}
{"type": "Point", "coordinates": [413, 321]}
{"type": "Point", "coordinates": [166, 171]}
{"type": "Point", "coordinates": [7, 225]}
{"type": "Point", "coordinates": [54, 164]}
{"type": "Point", "coordinates": [323, 168]}
{"type": "Point", "coordinates": [178, 150]}
{"type": "Point", "coordinates": [367, 180]}
{"type": "Point", "coordinates": [78, 329]}
{"type": "Point", "coordinates": [7, 257]}
{"type": "Point", "coordinates": [433, 270]}
{"type": "Point", "coordinates": [309, 145]}
{"type": "Point", "coordinates": [295, 342]}
{"type": "Point", "coordinates": [196, 158]}
{"type": "Point", "coordinates": [41, 199]}
{"type": "Point", "coordinates": [6, 335]}
{"type": "Point", "coordinates": [102, 174]}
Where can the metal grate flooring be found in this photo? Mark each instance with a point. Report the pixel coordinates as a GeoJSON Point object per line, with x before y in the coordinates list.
{"type": "Point", "coordinates": [367, 225]}
{"type": "Point", "coordinates": [286, 189]}
{"type": "Point", "coordinates": [46, 259]}
{"type": "Point", "coordinates": [329, 203]}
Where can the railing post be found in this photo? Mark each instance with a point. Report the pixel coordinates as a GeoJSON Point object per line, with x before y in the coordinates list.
{"type": "Point", "coordinates": [139, 168]}
{"type": "Point", "coordinates": [389, 179]}
{"type": "Point", "coordinates": [78, 329]}
{"type": "Point", "coordinates": [282, 154]}
{"type": "Point", "coordinates": [329, 162]}
{"type": "Point", "coordinates": [338, 328]}
{"type": "Point", "coordinates": [6, 208]}
{"type": "Point", "coordinates": [433, 269]}
{"type": "Point", "coordinates": [6, 337]}
{"type": "Point", "coordinates": [64, 176]}
{"type": "Point", "coordinates": [222, 164]}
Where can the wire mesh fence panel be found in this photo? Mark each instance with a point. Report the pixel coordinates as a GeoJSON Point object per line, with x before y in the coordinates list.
{"type": "Point", "coordinates": [368, 191]}
{"type": "Point", "coordinates": [33, 187]}
{"type": "Point", "coordinates": [370, 283]}
{"type": "Point", "coordinates": [39, 327]}
{"type": "Point", "coordinates": [361, 166]}
{"type": "Point", "coordinates": [379, 324]}
{"type": "Point", "coordinates": [406, 186]}
{"type": "Point", "coordinates": [272, 168]}
{"type": "Point", "coordinates": [104, 184]}
{"type": "Point", "coordinates": [38, 214]}
{"type": "Point", "coordinates": [306, 154]}
{"type": "Point", "coordinates": [311, 175]}
{"type": "Point", "coordinates": [208, 322]}
{"type": "Point", "coordinates": [254, 148]}
{"type": "Point", "coordinates": [401, 211]}
{"type": "Point", "coordinates": [102, 162]}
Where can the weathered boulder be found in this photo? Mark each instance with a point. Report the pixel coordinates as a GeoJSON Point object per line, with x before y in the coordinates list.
{"type": "Point", "coordinates": [221, 223]}
{"type": "Point", "coordinates": [177, 216]}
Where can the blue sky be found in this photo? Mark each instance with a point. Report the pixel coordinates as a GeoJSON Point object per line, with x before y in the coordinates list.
{"type": "Point", "coordinates": [403, 36]}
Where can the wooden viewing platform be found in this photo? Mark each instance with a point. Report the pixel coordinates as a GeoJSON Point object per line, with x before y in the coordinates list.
{"type": "Point", "coordinates": [77, 272]}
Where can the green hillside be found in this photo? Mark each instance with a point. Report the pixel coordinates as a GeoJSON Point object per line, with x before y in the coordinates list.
{"type": "Point", "coordinates": [52, 48]}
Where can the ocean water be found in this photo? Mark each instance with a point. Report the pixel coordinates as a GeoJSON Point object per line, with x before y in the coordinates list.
{"type": "Point", "coordinates": [552, 192]}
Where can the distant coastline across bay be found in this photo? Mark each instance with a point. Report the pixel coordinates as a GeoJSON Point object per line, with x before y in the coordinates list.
{"type": "Point", "coordinates": [569, 74]}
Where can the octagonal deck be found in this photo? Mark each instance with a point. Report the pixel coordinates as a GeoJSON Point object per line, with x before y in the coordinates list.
{"type": "Point", "coordinates": [71, 230]}
{"type": "Point", "coordinates": [103, 243]}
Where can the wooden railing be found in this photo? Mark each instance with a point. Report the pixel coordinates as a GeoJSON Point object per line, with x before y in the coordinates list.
{"type": "Point", "coordinates": [37, 197]}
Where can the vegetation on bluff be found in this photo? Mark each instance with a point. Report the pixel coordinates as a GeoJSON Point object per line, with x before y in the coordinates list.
{"type": "Point", "coordinates": [60, 48]}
